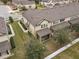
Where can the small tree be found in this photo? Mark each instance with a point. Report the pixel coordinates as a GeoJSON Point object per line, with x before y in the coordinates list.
{"type": "Point", "coordinates": [76, 28]}
{"type": "Point", "coordinates": [23, 8]}
{"type": "Point", "coordinates": [61, 37]}
{"type": "Point", "coordinates": [11, 19]}
{"type": "Point", "coordinates": [35, 50]}
{"type": "Point", "coordinates": [37, 2]}
{"type": "Point", "coordinates": [6, 1]}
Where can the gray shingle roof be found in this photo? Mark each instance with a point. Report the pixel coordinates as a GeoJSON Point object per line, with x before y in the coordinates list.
{"type": "Point", "coordinates": [53, 14]}
{"type": "Point", "coordinates": [24, 2]}
{"type": "Point", "coordinates": [2, 26]}
{"type": "Point", "coordinates": [60, 26]}
{"type": "Point", "coordinates": [45, 0]}
{"type": "Point", "coordinates": [75, 20]}
{"type": "Point", "coordinates": [43, 32]}
{"type": "Point", "coordinates": [57, 0]}
{"type": "Point", "coordinates": [5, 45]}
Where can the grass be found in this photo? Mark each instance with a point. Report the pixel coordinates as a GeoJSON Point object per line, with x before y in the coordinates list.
{"type": "Point", "coordinates": [71, 53]}
{"type": "Point", "coordinates": [20, 39]}
{"type": "Point", "coordinates": [40, 6]}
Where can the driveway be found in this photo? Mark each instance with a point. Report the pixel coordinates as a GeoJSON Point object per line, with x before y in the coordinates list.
{"type": "Point", "coordinates": [4, 11]}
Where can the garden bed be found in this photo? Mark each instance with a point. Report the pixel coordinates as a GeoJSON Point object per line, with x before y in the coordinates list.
{"type": "Point", "coordinates": [53, 45]}
{"type": "Point", "coordinates": [23, 25]}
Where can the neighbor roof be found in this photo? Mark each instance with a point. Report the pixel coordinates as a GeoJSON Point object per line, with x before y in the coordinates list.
{"type": "Point", "coordinates": [75, 20]}
{"type": "Point", "coordinates": [5, 45]}
{"type": "Point", "coordinates": [2, 26]}
{"type": "Point", "coordinates": [52, 14]}
{"type": "Point", "coordinates": [45, 0]}
{"type": "Point", "coordinates": [60, 26]}
{"type": "Point", "coordinates": [24, 2]}
{"type": "Point", "coordinates": [57, 0]}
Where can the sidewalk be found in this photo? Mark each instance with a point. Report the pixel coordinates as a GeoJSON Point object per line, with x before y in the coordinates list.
{"type": "Point", "coordinates": [51, 56]}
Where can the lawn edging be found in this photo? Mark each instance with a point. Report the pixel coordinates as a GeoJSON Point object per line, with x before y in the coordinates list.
{"type": "Point", "coordinates": [22, 28]}
{"type": "Point", "coordinates": [13, 34]}
{"type": "Point", "coordinates": [51, 56]}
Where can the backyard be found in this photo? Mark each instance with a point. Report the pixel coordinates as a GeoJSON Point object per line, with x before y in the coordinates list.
{"type": "Point", "coordinates": [20, 39]}
{"type": "Point", "coordinates": [71, 53]}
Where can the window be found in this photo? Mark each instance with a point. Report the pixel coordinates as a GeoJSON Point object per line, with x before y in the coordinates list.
{"type": "Point", "coordinates": [44, 26]}
{"type": "Point", "coordinates": [62, 20]}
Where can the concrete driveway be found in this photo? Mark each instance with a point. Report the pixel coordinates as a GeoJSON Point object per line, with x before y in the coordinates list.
{"type": "Point", "coordinates": [4, 11]}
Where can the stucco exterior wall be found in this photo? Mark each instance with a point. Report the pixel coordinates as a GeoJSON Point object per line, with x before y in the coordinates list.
{"type": "Point", "coordinates": [44, 22]}
{"type": "Point", "coordinates": [32, 29]}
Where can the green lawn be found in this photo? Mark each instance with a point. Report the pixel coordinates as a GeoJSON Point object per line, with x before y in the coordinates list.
{"type": "Point", "coordinates": [20, 39]}
{"type": "Point", "coordinates": [40, 6]}
{"type": "Point", "coordinates": [71, 53]}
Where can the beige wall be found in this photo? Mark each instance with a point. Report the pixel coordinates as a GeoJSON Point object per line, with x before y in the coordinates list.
{"type": "Point", "coordinates": [24, 20]}
{"type": "Point", "coordinates": [32, 29]}
{"type": "Point", "coordinates": [44, 22]}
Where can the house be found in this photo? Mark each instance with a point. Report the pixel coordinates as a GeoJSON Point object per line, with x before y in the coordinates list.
{"type": "Point", "coordinates": [31, 3]}
{"type": "Point", "coordinates": [26, 3]}
{"type": "Point", "coordinates": [52, 3]}
{"type": "Point", "coordinates": [40, 22]}
{"type": "Point", "coordinates": [4, 40]}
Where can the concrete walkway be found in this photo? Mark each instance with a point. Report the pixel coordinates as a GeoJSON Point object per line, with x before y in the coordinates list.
{"type": "Point", "coordinates": [51, 56]}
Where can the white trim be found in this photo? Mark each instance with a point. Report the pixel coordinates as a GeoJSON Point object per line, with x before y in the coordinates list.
{"type": "Point", "coordinates": [62, 49]}
{"type": "Point", "coordinates": [6, 56]}
{"type": "Point", "coordinates": [12, 31]}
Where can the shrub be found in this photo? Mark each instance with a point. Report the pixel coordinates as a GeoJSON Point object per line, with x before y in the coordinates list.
{"type": "Point", "coordinates": [11, 19]}
{"type": "Point", "coordinates": [12, 42]}
{"type": "Point", "coordinates": [23, 25]}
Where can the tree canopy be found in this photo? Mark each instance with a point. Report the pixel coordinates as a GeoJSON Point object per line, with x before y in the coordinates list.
{"type": "Point", "coordinates": [35, 50]}
{"type": "Point", "coordinates": [6, 1]}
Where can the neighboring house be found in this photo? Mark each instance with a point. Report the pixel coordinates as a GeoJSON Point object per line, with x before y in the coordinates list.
{"type": "Point", "coordinates": [39, 22]}
{"type": "Point", "coordinates": [51, 3]}
{"type": "Point", "coordinates": [31, 3]}
{"type": "Point", "coordinates": [26, 3]}
{"type": "Point", "coordinates": [5, 46]}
